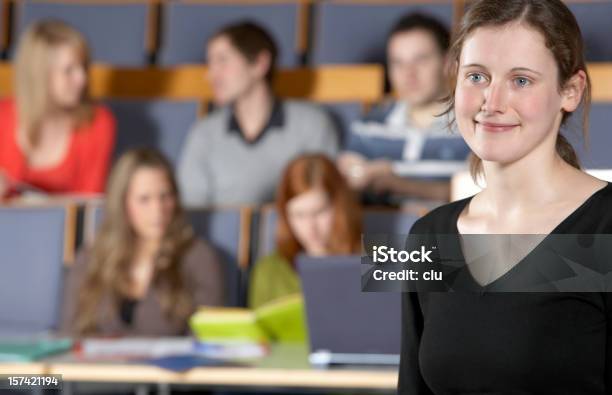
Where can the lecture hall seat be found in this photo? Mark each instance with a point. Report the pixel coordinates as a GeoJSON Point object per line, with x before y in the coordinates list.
{"type": "Point", "coordinates": [32, 245]}
{"type": "Point", "coordinates": [160, 124]}
{"type": "Point", "coordinates": [116, 32]}
{"type": "Point", "coordinates": [187, 25]}
{"type": "Point", "coordinates": [355, 32]}
{"type": "Point", "coordinates": [597, 152]}
{"type": "Point", "coordinates": [595, 24]}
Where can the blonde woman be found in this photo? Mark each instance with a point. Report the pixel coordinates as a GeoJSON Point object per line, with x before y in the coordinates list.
{"type": "Point", "coordinates": [52, 137]}
{"type": "Point", "coordinates": [146, 272]}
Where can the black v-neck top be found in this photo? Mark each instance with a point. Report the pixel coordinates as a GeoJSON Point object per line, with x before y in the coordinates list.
{"type": "Point", "coordinates": [509, 343]}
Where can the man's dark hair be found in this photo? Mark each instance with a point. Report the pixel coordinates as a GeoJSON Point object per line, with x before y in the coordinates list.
{"type": "Point", "coordinates": [251, 39]}
{"type": "Point", "coordinates": [417, 21]}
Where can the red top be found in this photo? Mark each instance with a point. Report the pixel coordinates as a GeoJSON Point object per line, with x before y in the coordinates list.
{"type": "Point", "coordinates": [82, 171]}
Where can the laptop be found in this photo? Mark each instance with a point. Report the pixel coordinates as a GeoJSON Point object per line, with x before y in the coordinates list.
{"type": "Point", "coordinates": [345, 325]}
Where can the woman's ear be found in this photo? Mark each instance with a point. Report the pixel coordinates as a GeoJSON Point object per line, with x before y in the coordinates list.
{"type": "Point", "coordinates": [571, 96]}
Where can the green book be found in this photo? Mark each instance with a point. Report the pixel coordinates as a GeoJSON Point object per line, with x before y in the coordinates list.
{"type": "Point", "coordinates": [280, 320]}
{"type": "Point", "coordinates": [31, 350]}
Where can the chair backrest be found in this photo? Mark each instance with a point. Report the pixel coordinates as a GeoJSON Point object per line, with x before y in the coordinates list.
{"type": "Point", "coordinates": [223, 228]}
{"type": "Point", "coordinates": [595, 151]}
{"type": "Point", "coordinates": [344, 114]}
{"type": "Point", "coordinates": [160, 124]}
{"type": "Point", "coordinates": [355, 32]}
{"type": "Point", "coordinates": [188, 25]}
{"type": "Point", "coordinates": [116, 31]}
{"type": "Point", "coordinates": [387, 221]}
{"type": "Point", "coordinates": [375, 221]}
{"type": "Point", "coordinates": [266, 230]}
{"type": "Point", "coordinates": [32, 245]}
{"type": "Point", "coordinates": [594, 20]}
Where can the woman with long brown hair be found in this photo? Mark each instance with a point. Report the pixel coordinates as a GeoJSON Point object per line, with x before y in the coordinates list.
{"type": "Point", "coordinates": [146, 271]}
{"type": "Point", "coordinates": [53, 138]}
{"type": "Point", "coordinates": [317, 215]}
{"type": "Point", "coordinates": [518, 73]}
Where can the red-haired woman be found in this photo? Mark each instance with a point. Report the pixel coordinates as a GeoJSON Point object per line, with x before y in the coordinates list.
{"type": "Point", "coordinates": [318, 215]}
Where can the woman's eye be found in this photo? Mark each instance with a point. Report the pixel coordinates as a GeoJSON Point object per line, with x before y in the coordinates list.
{"type": "Point", "coordinates": [476, 78]}
{"type": "Point", "coordinates": [521, 82]}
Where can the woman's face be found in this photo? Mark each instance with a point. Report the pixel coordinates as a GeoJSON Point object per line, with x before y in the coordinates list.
{"type": "Point", "coordinates": [311, 216]}
{"type": "Point", "coordinates": [507, 98]}
{"type": "Point", "coordinates": [150, 203]}
{"type": "Point", "coordinates": [67, 77]}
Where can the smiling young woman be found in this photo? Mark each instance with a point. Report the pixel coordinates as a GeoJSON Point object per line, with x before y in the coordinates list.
{"type": "Point", "coordinates": [518, 73]}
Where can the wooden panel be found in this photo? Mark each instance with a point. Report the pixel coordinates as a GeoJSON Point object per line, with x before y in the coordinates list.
{"type": "Point", "coordinates": [86, 2]}
{"type": "Point", "coordinates": [70, 234]}
{"type": "Point", "coordinates": [247, 377]}
{"type": "Point", "coordinates": [185, 82]}
{"type": "Point", "coordinates": [601, 81]}
{"type": "Point", "coordinates": [6, 79]}
{"type": "Point", "coordinates": [153, 26]}
{"type": "Point", "coordinates": [5, 25]}
{"type": "Point", "coordinates": [15, 368]}
{"type": "Point", "coordinates": [362, 83]}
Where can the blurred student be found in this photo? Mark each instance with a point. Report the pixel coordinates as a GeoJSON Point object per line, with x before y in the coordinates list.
{"type": "Point", "coordinates": [404, 147]}
{"type": "Point", "coordinates": [236, 155]}
{"type": "Point", "coordinates": [53, 138]}
{"type": "Point", "coordinates": [146, 272]}
{"type": "Point", "coordinates": [317, 215]}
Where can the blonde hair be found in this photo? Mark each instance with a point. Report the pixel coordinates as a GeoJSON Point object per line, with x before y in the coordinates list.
{"type": "Point", "coordinates": [110, 258]}
{"type": "Point", "coordinates": [32, 74]}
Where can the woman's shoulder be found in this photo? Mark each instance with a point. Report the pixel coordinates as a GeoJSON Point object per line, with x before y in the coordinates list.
{"type": "Point", "coordinates": [99, 130]}
{"type": "Point", "coordinates": [272, 262]}
{"type": "Point", "coordinates": [103, 117]}
{"type": "Point", "coordinates": [7, 110]}
{"type": "Point", "coordinates": [598, 216]}
{"type": "Point", "coordinates": [440, 219]}
{"type": "Point", "coordinates": [200, 254]}
{"type": "Point", "coordinates": [7, 104]}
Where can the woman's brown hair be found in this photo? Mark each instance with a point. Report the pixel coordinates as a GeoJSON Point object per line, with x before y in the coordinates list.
{"type": "Point", "coordinates": [110, 258]}
{"type": "Point", "coordinates": [308, 172]}
{"type": "Point", "coordinates": [562, 36]}
{"type": "Point", "coordinates": [32, 66]}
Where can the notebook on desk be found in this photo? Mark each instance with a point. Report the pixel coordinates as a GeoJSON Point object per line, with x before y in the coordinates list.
{"type": "Point", "coordinates": [345, 325]}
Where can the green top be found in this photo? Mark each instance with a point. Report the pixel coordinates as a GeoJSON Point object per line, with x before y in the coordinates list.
{"type": "Point", "coordinates": [272, 277]}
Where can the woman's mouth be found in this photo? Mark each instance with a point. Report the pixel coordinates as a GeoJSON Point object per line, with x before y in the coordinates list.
{"type": "Point", "coordinates": [495, 127]}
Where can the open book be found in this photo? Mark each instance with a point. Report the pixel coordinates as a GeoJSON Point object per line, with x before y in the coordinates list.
{"type": "Point", "coordinates": [280, 320]}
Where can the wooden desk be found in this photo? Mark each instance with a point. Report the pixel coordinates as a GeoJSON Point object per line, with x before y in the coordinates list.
{"type": "Point", "coordinates": [22, 368]}
{"type": "Point", "coordinates": [286, 367]}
